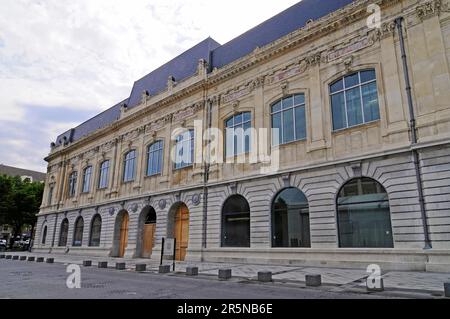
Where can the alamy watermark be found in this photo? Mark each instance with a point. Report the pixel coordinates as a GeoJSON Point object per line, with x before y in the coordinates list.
{"type": "Point", "coordinates": [74, 279]}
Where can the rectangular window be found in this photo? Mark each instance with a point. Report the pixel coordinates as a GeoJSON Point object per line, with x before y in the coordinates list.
{"type": "Point", "coordinates": [155, 158]}
{"type": "Point", "coordinates": [50, 195]}
{"type": "Point", "coordinates": [129, 167]}
{"type": "Point", "coordinates": [73, 184]}
{"type": "Point", "coordinates": [238, 133]}
{"type": "Point", "coordinates": [184, 150]}
{"type": "Point", "coordinates": [103, 178]}
{"type": "Point", "coordinates": [87, 179]}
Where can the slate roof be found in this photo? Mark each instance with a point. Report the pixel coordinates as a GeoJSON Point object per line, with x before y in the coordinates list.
{"type": "Point", "coordinates": [185, 65]}
{"type": "Point", "coordinates": [15, 171]}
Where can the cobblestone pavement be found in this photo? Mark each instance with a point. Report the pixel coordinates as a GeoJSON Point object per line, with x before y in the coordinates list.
{"type": "Point", "coordinates": [422, 282]}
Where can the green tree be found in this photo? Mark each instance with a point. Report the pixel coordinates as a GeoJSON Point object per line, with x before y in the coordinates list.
{"type": "Point", "coordinates": [19, 202]}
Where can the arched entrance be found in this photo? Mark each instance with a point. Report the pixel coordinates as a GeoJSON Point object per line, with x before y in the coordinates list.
{"type": "Point", "coordinates": [121, 234]}
{"type": "Point", "coordinates": [146, 234]}
{"type": "Point", "coordinates": [236, 222]}
{"type": "Point", "coordinates": [180, 230]}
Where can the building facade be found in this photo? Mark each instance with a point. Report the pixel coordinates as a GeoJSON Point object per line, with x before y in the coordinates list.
{"type": "Point", "coordinates": [358, 141]}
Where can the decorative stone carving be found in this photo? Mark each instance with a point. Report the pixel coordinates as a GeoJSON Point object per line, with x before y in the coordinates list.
{"type": "Point", "coordinates": [236, 94]}
{"type": "Point", "coordinates": [162, 204]}
{"type": "Point", "coordinates": [350, 48]}
{"type": "Point", "coordinates": [196, 199]}
{"type": "Point", "coordinates": [233, 188]}
{"type": "Point", "coordinates": [429, 9]}
{"type": "Point", "coordinates": [134, 208]}
{"type": "Point", "coordinates": [111, 211]}
{"type": "Point", "coordinates": [187, 112]}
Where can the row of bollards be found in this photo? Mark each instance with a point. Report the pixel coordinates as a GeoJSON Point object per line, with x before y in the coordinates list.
{"type": "Point", "coordinates": [29, 258]}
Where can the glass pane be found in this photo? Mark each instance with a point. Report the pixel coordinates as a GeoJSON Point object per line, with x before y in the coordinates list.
{"type": "Point", "coordinates": [288, 102]}
{"type": "Point", "coordinates": [354, 110]}
{"type": "Point", "coordinates": [300, 123]}
{"type": "Point", "coordinates": [370, 100]}
{"type": "Point", "coordinates": [229, 123]}
{"type": "Point", "coordinates": [368, 75]}
{"type": "Point", "coordinates": [276, 129]}
{"type": "Point", "coordinates": [351, 80]}
{"type": "Point", "coordinates": [236, 223]}
{"type": "Point", "coordinates": [299, 99]}
{"type": "Point", "coordinates": [337, 86]}
{"type": "Point", "coordinates": [247, 136]}
{"type": "Point", "coordinates": [247, 117]}
{"type": "Point", "coordinates": [288, 126]}
{"type": "Point", "coordinates": [276, 107]}
{"type": "Point", "coordinates": [238, 119]}
{"type": "Point", "coordinates": [229, 142]}
{"type": "Point", "coordinates": [338, 111]}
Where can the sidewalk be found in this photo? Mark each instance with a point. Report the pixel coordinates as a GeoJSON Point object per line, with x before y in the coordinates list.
{"type": "Point", "coordinates": [405, 283]}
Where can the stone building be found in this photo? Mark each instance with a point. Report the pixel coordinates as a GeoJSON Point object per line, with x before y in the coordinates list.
{"type": "Point", "coordinates": [358, 143]}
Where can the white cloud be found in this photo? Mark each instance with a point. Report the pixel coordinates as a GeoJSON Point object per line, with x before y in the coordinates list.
{"type": "Point", "coordinates": [86, 54]}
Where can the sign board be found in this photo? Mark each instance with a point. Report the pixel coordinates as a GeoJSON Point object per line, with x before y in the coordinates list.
{"type": "Point", "coordinates": [169, 246]}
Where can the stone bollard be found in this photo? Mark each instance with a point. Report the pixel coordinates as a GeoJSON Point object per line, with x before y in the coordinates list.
{"type": "Point", "coordinates": [192, 271]}
{"type": "Point", "coordinates": [120, 266]}
{"type": "Point", "coordinates": [31, 258]}
{"type": "Point", "coordinates": [15, 258]}
{"type": "Point", "coordinates": [102, 264]}
{"type": "Point", "coordinates": [2, 256]}
{"type": "Point", "coordinates": [164, 269]}
{"type": "Point", "coordinates": [40, 259]}
{"type": "Point", "coordinates": [224, 274]}
{"type": "Point", "coordinates": [87, 263]}
{"type": "Point", "coordinates": [313, 280]}
{"type": "Point", "coordinates": [22, 258]}
{"type": "Point", "coordinates": [265, 276]}
{"type": "Point", "coordinates": [141, 267]}
{"type": "Point", "coordinates": [8, 257]}
{"type": "Point", "coordinates": [380, 287]}
{"type": "Point", "coordinates": [447, 289]}
{"type": "Point", "coordinates": [50, 260]}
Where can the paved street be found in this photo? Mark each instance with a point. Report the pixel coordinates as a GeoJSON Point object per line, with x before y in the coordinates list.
{"type": "Point", "coordinates": [22, 279]}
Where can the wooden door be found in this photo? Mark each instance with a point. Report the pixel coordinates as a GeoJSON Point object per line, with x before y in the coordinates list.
{"type": "Point", "coordinates": [149, 234]}
{"type": "Point", "coordinates": [123, 235]}
{"type": "Point", "coordinates": [182, 232]}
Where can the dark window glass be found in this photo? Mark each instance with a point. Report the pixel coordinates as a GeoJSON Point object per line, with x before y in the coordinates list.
{"type": "Point", "coordinates": [364, 217]}
{"type": "Point", "coordinates": [290, 219]}
{"type": "Point", "coordinates": [354, 100]}
{"type": "Point", "coordinates": [238, 134]}
{"type": "Point", "coordinates": [87, 174]}
{"type": "Point", "coordinates": [236, 222]}
{"type": "Point", "coordinates": [129, 166]}
{"type": "Point", "coordinates": [50, 194]}
{"type": "Point", "coordinates": [73, 184]}
{"type": "Point", "coordinates": [78, 232]}
{"type": "Point", "coordinates": [103, 178]}
{"type": "Point", "coordinates": [44, 235]}
{"type": "Point", "coordinates": [96, 230]}
{"type": "Point", "coordinates": [155, 158]}
{"type": "Point", "coordinates": [64, 231]}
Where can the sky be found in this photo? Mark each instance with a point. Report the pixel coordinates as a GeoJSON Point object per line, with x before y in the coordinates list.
{"type": "Point", "coordinates": [64, 61]}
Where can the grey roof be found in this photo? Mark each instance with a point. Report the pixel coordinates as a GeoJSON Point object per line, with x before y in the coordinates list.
{"type": "Point", "coordinates": [15, 171]}
{"type": "Point", "coordinates": [185, 65]}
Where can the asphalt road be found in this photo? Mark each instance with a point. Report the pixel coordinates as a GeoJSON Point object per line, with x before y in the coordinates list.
{"type": "Point", "coordinates": [30, 280]}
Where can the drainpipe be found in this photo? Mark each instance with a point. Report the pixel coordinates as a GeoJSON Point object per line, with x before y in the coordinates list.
{"type": "Point", "coordinates": [413, 130]}
{"type": "Point", "coordinates": [206, 175]}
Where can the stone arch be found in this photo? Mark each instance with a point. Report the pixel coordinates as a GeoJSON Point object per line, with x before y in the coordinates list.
{"type": "Point", "coordinates": [147, 217]}
{"type": "Point", "coordinates": [120, 239]}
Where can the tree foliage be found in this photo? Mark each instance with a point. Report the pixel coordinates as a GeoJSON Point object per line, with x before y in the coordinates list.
{"type": "Point", "coordinates": [19, 201]}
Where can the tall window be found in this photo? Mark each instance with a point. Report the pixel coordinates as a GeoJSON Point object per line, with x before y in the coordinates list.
{"type": "Point", "coordinates": [44, 235]}
{"type": "Point", "coordinates": [129, 166]}
{"type": "Point", "coordinates": [103, 177]}
{"type": "Point", "coordinates": [290, 219]}
{"type": "Point", "coordinates": [87, 174]}
{"type": "Point", "coordinates": [184, 150]}
{"type": "Point", "coordinates": [155, 158]}
{"type": "Point", "coordinates": [364, 217]}
{"type": "Point", "coordinates": [63, 233]}
{"type": "Point", "coordinates": [236, 222]}
{"type": "Point", "coordinates": [96, 230]}
{"type": "Point", "coordinates": [50, 194]}
{"type": "Point", "coordinates": [78, 232]}
{"type": "Point", "coordinates": [238, 134]}
{"type": "Point", "coordinates": [288, 116]}
{"type": "Point", "coordinates": [354, 100]}
{"type": "Point", "coordinates": [73, 184]}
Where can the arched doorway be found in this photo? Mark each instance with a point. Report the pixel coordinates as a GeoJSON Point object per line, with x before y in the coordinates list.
{"type": "Point", "coordinates": [78, 232]}
{"type": "Point", "coordinates": [63, 233]}
{"type": "Point", "coordinates": [96, 230]}
{"type": "Point", "coordinates": [236, 222]}
{"type": "Point", "coordinates": [147, 229]}
{"type": "Point", "coordinates": [180, 230]}
{"type": "Point", "coordinates": [121, 234]}
{"type": "Point", "coordinates": [364, 218]}
{"type": "Point", "coordinates": [290, 219]}
{"type": "Point", "coordinates": [44, 235]}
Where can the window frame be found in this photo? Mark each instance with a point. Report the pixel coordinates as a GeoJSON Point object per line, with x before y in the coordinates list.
{"type": "Point", "coordinates": [106, 176]}
{"type": "Point", "coordinates": [125, 166]}
{"type": "Point", "coordinates": [87, 183]}
{"type": "Point", "coordinates": [161, 158]}
{"type": "Point", "coordinates": [76, 228]}
{"type": "Point", "coordinates": [191, 149]}
{"type": "Point", "coordinates": [237, 126]}
{"type": "Point", "coordinates": [346, 89]}
{"type": "Point", "coordinates": [73, 181]}
{"type": "Point", "coordinates": [91, 232]}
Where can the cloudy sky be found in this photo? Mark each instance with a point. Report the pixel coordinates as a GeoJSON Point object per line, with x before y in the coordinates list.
{"type": "Point", "coordinates": [63, 61]}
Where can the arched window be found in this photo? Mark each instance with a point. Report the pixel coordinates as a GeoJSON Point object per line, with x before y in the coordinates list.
{"type": "Point", "coordinates": [129, 168]}
{"type": "Point", "coordinates": [155, 158]}
{"type": "Point", "coordinates": [151, 217]}
{"type": "Point", "coordinates": [64, 231]}
{"type": "Point", "coordinates": [290, 219]}
{"type": "Point", "coordinates": [87, 174]}
{"type": "Point", "coordinates": [44, 235]}
{"type": "Point", "coordinates": [364, 217]}
{"type": "Point", "coordinates": [184, 150]}
{"type": "Point", "coordinates": [73, 184]}
{"type": "Point", "coordinates": [238, 134]}
{"type": "Point", "coordinates": [288, 120]}
{"type": "Point", "coordinates": [96, 230]}
{"type": "Point", "coordinates": [78, 232]}
{"type": "Point", "coordinates": [103, 177]}
{"type": "Point", "coordinates": [354, 100]}
{"type": "Point", "coordinates": [236, 222]}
